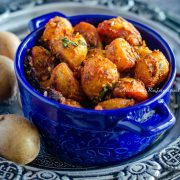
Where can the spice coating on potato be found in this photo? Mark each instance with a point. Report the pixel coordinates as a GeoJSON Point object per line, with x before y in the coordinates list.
{"type": "Point", "coordinates": [152, 69]}
{"type": "Point", "coordinates": [7, 79]}
{"type": "Point", "coordinates": [55, 28]}
{"type": "Point", "coordinates": [122, 54]}
{"type": "Point", "coordinates": [89, 32]}
{"type": "Point", "coordinates": [19, 139]}
{"type": "Point", "coordinates": [64, 81]}
{"type": "Point", "coordinates": [94, 52]}
{"type": "Point", "coordinates": [130, 88]}
{"type": "Point", "coordinates": [119, 27]}
{"type": "Point", "coordinates": [71, 49]}
{"type": "Point", "coordinates": [72, 103]}
{"type": "Point", "coordinates": [42, 62]}
{"type": "Point", "coordinates": [115, 103]}
{"type": "Point", "coordinates": [97, 73]}
{"type": "Point", "coordinates": [142, 50]}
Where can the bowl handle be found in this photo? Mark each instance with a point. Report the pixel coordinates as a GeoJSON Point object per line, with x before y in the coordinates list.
{"type": "Point", "coordinates": [41, 21]}
{"type": "Point", "coordinates": [161, 120]}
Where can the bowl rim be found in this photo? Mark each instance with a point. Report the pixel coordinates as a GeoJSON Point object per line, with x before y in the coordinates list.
{"type": "Point", "coordinates": [18, 65]}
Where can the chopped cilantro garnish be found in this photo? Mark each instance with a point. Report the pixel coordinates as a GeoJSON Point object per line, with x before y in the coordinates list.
{"type": "Point", "coordinates": [82, 43]}
{"type": "Point", "coordinates": [104, 92]}
{"type": "Point", "coordinates": [66, 42]}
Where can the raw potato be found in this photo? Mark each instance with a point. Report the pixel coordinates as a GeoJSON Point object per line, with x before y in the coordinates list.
{"type": "Point", "coordinates": [122, 54]}
{"type": "Point", "coordinates": [7, 79]}
{"type": "Point", "coordinates": [115, 103]}
{"type": "Point", "coordinates": [9, 43]}
{"type": "Point", "coordinates": [19, 139]}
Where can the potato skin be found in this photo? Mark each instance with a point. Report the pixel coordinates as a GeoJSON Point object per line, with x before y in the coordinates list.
{"type": "Point", "coordinates": [130, 88]}
{"type": "Point", "coordinates": [55, 28]}
{"type": "Point", "coordinates": [72, 53]}
{"type": "Point", "coordinates": [97, 73]}
{"type": "Point", "coordinates": [9, 43]}
{"type": "Point", "coordinates": [19, 139]}
{"type": "Point", "coordinates": [152, 69]}
{"type": "Point", "coordinates": [119, 27]}
{"type": "Point", "coordinates": [115, 103]}
{"type": "Point", "coordinates": [42, 62]}
{"type": "Point", "coordinates": [8, 82]}
{"type": "Point", "coordinates": [64, 81]}
{"type": "Point", "coordinates": [89, 32]}
{"type": "Point", "coordinates": [122, 54]}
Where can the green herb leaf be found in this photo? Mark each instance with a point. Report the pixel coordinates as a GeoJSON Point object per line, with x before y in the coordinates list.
{"type": "Point", "coordinates": [82, 43]}
{"type": "Point", "coordinates": [66, 42]}
{"type": "Point", "coordinates": [104, 92]}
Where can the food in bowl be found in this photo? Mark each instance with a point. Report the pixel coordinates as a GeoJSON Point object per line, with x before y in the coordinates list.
{"type": "Point", "coordinates": [103, 67]}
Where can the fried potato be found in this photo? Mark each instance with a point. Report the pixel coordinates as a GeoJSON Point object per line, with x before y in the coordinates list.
{"type": "Point", "coordinates": [64, 82]}
{"type": "Point", "coordinates": [97, 73]}
{"type": "Point", "coordinates": [130, 88]}
{"type": "Point", "coordinates": [70, 49]}
{"type": "Point", "coordinates": [119, 27]}
{"type": "Point", "coordinates": [94, 52]}
{"type": "Point", "coordinates": [152, 69]}
{"type": "Point", "coordinates": [42, 62]}
{"type": "Point", "coordinates": [72, 103]}
{"type": "Point", "coordinates": [56, 28]}
{"type": "Point", "coordinates": [142, 50]}
{"type": "Point", "coordinates": [122, 54]}
{"type": "Point", "coordinates": [115, 103]}
{"type": "Point", "coordinates": [89, 32]}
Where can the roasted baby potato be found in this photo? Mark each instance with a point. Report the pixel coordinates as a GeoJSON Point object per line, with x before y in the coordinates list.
{"type": "Point", "coordinates": [94, 52]}
{"type": "Point", "coordinates": [142, 50]}
{"type": "Point", "coordinates": [56, 28]}
{"type": "Point", "coordinates": [122, 54]}
{"type": "Point", "coordinates": [119, 27]}
{"type": "Point", "coordinates": [42, 62]}
{"type": "Point", "coordinates": [89, 32]}
{"type": "Point", "coordinates": [70, 49]}
{"type": "Point", "coordinates": [97, 73]}
{"type": "Point", "coordinates": [115, 103]}
{"type": "Point", "coordinates": [72, 103]}
{"type": "Point", "coordinates": [152, 69]}
{"type": "Point", "coordinates": [64, 81]}
{"type": "Point", "coordinates": [130, 88]}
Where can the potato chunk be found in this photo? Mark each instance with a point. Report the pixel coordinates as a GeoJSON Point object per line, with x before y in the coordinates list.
{"type": "Point", "coordinates": [70, 49]}
{"type": "Point", "coordinates": [43, 63]}
{"type": "Point", "coordinates": [64, 81]}
{"type": "Point", "coordinates": [130, 88]}
{"type": "Point", "coordinates": [152, 69]}
{"type": "Point", "coordinates": [89, 32]}
{"type": "Point", "coordinates": [115, 103]}
{"type": "Point", "coordinates": [119, 27]}
{"type": "Point", "coordinates": [55, 28]}
{"type": "Point", "coordinates": [121, 54]}
{"type": "Point", "coordinates": [97, 73]}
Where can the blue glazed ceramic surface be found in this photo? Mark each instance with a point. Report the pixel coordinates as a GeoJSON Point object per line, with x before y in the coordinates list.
{"type": "Point", "coordinates": [89, 137]}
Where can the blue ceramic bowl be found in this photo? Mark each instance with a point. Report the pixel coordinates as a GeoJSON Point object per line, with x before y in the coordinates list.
{"type": "Point", "coordinates": [90, 137]}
